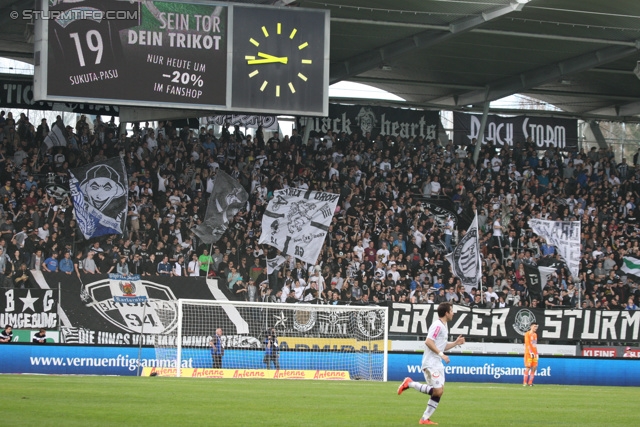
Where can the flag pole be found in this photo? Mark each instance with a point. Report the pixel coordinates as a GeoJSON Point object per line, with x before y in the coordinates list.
{"type": "Point", "coordinates": [479, 282]}
{"type": "Point", "coordinates": [211, 257]}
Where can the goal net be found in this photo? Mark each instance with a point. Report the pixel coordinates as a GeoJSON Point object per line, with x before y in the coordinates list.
{"type": "Point", "coordinates": [264, 339]}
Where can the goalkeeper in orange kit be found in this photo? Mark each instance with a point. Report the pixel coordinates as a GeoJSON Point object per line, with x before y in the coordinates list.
{"type": "Point", "coordinates": [530, 354]}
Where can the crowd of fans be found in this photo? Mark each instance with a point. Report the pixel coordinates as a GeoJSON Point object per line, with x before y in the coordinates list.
{"type": "Point", "coordinates": [383, 243]}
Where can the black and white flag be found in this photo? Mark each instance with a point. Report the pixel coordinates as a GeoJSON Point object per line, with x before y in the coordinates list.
{"type": "Point", "coordinates": [465, 258]}
{"type": "Point", "coordinates": [296, 222]}
{"type": "Point", "coordinates": [227, 198]}
{"type": "Point", "coordinates": [274, 264]}
{"type": "Point", "coordinates": [537, 277]}
{"type": "Point", "coordinates": [565, 236]}
{"type": "Point", "coordinates": [99, 193]}
{"type": "Point", "coordinates": [57, 137]}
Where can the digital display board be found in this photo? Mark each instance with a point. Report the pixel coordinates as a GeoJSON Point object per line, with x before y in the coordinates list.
{"type": "Point", "coordinates": [171, 54]}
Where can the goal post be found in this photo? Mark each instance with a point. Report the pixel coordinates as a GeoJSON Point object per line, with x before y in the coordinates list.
{"type": "Point", "coordinates": [262, 339]}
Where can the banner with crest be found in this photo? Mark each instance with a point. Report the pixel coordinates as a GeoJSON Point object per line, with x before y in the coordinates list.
{"type": "Point", "coordinates": [465, 258]}
{"type": "Point", "coordinates": [125, 310]}
{"type": "Point", "coordinates": [296, 222]}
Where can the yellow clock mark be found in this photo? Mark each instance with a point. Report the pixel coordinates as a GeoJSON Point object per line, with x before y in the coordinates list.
{"type": "Point", "coordinates": [303, 45]}
{"type": "Point", "coordinates": [277, 90]}
{"type": "Point", "coordinates": [254, 42]}
{"type": "Point", "coordinates": [293, 33]}
{"type": "Point", "coordinates": [253, 73]}
{"type": "Point", "coordinates": [293, 90]}
{"type": "Point", "coordinates": [248, 57]}
{"type": "Point", "coordinates": [306, 61]}
{"type": "Point", "coordinates": [302, 76]}
{"type": "Point", "coordinates": [264, 85]}
{"type": "Point", "coordinates": [264, 31]}
{"type": "Point", "coordinates": [279, 28]}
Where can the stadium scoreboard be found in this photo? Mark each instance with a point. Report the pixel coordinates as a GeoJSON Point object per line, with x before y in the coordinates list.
{"type": "Point", "coordinates": [194, 55]}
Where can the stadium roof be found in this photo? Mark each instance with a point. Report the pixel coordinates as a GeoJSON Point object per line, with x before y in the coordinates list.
{"type": "Point", "coordinates": [578, 55]}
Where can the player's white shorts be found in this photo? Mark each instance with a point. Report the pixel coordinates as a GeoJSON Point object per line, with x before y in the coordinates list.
{"type": "Point", "coordinates": [434, 377]}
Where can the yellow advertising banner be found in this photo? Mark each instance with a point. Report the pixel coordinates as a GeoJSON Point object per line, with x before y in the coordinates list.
{"type": "Point", "coordinates": [333, 344]}
{"type": "Point", "coordinates": [277, 374]}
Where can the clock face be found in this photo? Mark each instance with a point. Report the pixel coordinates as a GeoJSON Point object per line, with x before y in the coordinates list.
{"type": "Point", "coordinates": [279, 60]}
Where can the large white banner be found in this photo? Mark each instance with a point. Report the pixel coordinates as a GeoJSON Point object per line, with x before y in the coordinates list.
{"type": "Point", "coordinates": [565, 236]}
{"type": "Point", "coordinates": [296, 222]}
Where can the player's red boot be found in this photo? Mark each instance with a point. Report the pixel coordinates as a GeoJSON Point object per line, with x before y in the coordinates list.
{"type": "Point", "coordinates": [423, 421]}
{"type": "Point", "coordinates": [404, 385]}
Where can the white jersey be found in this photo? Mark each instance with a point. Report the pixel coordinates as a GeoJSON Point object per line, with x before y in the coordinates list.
{"type": "Point", "coordinates": [439, 333]}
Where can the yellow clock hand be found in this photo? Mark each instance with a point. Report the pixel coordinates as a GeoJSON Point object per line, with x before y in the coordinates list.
{"type": "Point", "coordinates": [267, 59]}
{"type": "Point", "coordinates": [266, 55]}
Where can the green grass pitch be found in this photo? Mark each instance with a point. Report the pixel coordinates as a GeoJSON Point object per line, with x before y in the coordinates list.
{"type": "Point", "coordinates": [30, 400]}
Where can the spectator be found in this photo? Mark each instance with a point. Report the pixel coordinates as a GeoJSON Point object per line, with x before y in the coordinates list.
{"type": "Point", "coordinates": [89, 264]}
{"type": "Point", "coordinates": [179, 267]}
{"type": "Point", "coordinates": [36, 260]}
{"type": "Point", "coordinates": [193, 269]}
{"type": "Point", "coordinates": [122, 268]}
{"type": "Point", "coordinates": [40, 337]}
{"type": "Point", "coordinates": [20, 277]}
{"type": "Point", "coordinates": [66, 264]}
{"type": "Point", "coordinates": [164, 268]}
{"type": "Point", "coordinates": [205, 262]}
{"type": "Point", "coordinates": [239, 290]}
{"type": "Point", "coordinates": [6, 335]}
{"type": "Point", "coordinates": [5, 269]}
{"type": "Point", "coordinates": [232, 277]}
{"type": "Point", "coordinates": [105, 263]}
{"type": "Point", "coordinates": [50, 264]}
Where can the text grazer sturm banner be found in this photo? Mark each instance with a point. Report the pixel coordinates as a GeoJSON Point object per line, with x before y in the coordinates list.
{"type": "Point", "coordinates": [296, 222]}
{"type": "Point", "coordinates": [99, 193]}
{"type": "Point", "coordinates": [376, 121]}
{"type": "Point", "coordinates": [29, 308]}
{"type": "Point", "coordinates": [545, 132]}
{"type": "Point", "coordinates": [512, 323]}
{"type": "Point", "coordinates": [565, 236]}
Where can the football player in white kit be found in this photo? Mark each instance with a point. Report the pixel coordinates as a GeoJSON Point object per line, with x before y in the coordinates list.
{"type": "Point", "coordinates": [437, 343]}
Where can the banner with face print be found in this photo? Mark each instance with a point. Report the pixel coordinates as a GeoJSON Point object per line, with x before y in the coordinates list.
{"type": "Point", "coordinates": [99, 193]}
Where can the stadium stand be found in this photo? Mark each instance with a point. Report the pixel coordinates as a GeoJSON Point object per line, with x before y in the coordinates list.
{"type": "Point", "coordinates": [382, 184]}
